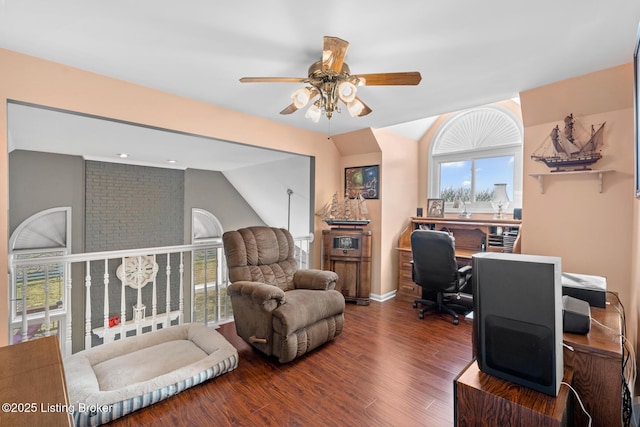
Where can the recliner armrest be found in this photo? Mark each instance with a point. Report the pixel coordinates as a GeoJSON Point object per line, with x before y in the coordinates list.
{"type": "Point", "coordinates": [315, 279]}
{"type": "Point", "coordinates": [269, 297]}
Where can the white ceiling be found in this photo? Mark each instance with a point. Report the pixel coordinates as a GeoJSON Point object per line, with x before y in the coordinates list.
{"type": "Point", "coordinates": [468, 52]}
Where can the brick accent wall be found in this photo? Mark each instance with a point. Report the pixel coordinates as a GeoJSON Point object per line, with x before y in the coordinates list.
{"type": "Point", "coordinates": [129, 206]}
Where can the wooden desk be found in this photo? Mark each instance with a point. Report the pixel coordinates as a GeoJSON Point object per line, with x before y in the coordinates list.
{"type": "Point", "coordinates": [484, 400]}
{"type": "Point", "coordinates": [33, 386]}
{"type": "Point", "coordinates": [472, 235]}
{"type": "Point", "coordinates": [597, 366]}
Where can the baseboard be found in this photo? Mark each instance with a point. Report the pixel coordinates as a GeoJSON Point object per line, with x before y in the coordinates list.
{"type": "Point", "coordinates": [383, 298]}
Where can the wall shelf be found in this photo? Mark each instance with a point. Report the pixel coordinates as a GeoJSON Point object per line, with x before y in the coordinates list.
{"type": "Point", "coordinates": [599, 174]}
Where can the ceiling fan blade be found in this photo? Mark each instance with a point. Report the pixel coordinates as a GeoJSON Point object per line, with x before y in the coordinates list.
{"type": "Point", "coordinates": [333, 53]}
{"type": "Point", "coordinates": [290, 109]}
{"type": "Point", "coordinates": [272, 79]}
{"type": "Point", "coordinates": [383, 79]}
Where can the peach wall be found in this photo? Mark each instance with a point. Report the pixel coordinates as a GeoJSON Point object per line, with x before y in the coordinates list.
{"type": "Point", "coordinates": [399, 187]}
{"type": "Point", "coordinates": [29, 79]}
{"type": "Point", "coordinates": [592, 232]}
{"type": "Point", "coordinates": [375, 212]}
{"type": "Point", "coordinates": [397, 158]}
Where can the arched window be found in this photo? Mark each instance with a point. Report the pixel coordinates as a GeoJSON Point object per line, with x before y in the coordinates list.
{"type": "Point", "coordinates": [472, 151]}
{"type": "Point", "coordinates": [210, 304]}
{"type": "Point", "coordinates": [39, 298]}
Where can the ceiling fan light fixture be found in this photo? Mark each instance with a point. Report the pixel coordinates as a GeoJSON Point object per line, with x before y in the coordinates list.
{"type": "Point", "coordinates": [313, 113]}
{"type": "Point", "coordinates": [301, 97]}
{"type": "Point", "coordinates": [355, 107]}
{"type": "Point", "coordinates": [347, 91]}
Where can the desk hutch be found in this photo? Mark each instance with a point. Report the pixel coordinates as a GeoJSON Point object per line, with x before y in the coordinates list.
{"type": "Point", "coordinates": [471, 235]}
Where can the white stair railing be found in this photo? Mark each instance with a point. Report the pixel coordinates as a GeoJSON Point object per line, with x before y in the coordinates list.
{"type": "Point", "coordinates": [102, 330]}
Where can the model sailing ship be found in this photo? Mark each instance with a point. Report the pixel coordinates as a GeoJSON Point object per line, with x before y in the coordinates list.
{"type": "Point", "coordinates": [563, 150]}
{"type": "Point", "coordinates": [348, 212]}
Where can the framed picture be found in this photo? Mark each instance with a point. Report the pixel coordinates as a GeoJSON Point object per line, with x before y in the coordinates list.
{"type": "Point", "coordinates": [363, 180]}
{"type": "Point", "coordinates": [435, 208]}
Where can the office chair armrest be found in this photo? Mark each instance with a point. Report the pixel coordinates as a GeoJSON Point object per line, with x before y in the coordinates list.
{"type": "Point", "coordinates": [315, 279]}
{"type": "Point", "coordinates": [268, 297]}
{"type": "Point", "coordinates": [466, 269]}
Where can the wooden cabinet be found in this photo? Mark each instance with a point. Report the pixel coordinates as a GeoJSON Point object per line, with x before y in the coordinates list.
{"type": "Point", "coordinates": [347, 251]}
{"type": "Point", "coordinates": [596, 361]}
{"type": "Point", "coordinates": [481, 399]}
{"type": "Point", "coordinates": [33, 385]}
{"type": "Point", "coordinates": [471, 236]}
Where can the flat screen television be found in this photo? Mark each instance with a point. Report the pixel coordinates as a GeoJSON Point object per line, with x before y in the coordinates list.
{"type": "Point", "coordinates": [517, 303]}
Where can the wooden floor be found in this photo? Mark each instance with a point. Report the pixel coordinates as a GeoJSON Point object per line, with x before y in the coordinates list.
{"type": "Point", "coordinates": [387, 368]}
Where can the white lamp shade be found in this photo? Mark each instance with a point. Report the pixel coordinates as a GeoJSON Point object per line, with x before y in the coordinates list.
{"type": "Point", "coordinates": [346, 91]}
{"type": "Point", "coordinates": [313, 113]}
{"type": "Point", "coordinates": [301, 97]}
{"type": "Point", "coordinates": [355, 107]}
{"type": "Point", "coordinates": [499, 199]}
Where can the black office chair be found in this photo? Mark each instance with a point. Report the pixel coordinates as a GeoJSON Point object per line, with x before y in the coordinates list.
{"type": "Point", "coordinates": [436, 271]}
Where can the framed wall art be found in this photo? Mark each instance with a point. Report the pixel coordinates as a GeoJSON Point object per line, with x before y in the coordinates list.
{"type": "Point", "coordinates": [363, 180]}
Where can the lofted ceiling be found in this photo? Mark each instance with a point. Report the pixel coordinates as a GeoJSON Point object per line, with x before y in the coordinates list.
{"type": "Point", "coordinates": [468, 52]}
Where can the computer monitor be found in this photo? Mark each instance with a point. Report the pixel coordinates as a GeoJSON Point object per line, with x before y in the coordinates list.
{"type": "Point", "coordinates": [518, 318]}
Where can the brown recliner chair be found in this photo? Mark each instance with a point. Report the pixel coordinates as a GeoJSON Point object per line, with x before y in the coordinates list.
{"type": "Point", "coordinates": [278, 309]}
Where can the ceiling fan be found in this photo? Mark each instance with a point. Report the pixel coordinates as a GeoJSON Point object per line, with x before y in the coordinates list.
{"type": "Point", "coordinates": [331, 80]}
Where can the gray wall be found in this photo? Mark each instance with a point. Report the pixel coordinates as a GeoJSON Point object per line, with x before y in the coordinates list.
{"type": "Point", "coordinates": [130, 206]}
{"type": "Point", "coordinates": [39, 181]}
{"type": "Point", "coordinates": [211, 191]}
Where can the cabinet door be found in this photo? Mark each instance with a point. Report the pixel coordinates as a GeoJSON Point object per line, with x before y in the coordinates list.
{"type": "Point", "coordinates": [347, 277]}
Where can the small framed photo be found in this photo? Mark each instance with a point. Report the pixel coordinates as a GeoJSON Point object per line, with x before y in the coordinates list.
{"type": "Point", "coordinates": [435, 208]}
{"type": "Point", "coordinates": [362, 180]}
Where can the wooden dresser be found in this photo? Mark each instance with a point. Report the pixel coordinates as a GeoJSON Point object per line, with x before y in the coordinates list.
{"type": "Point", "coordinates": [471, 235]}
{"type": "Point", "coordinates": [33, 389]}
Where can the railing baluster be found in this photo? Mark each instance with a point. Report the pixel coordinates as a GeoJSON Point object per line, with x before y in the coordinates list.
{"type": "Point", "coordinates": [181, 301]}
{"type": "Point", "coordinates": [154, 299]}
{"type": "Point", "coordinates": [47, 319]}
{"type": "Point", "coordinates": [123, 301]}
{"type": "Point", "coordinates": [67, 306]}
{"type": "Point", "coordinates": [168, 301]}
{"type": "Point", "coordinates": [217, 287]}
{"type": "Point", "coordinates": [87, 322]}
{"type": "Point", "coordinates": [105, 280]}
{"type": "Point", "coordinates": [205, 289]}
{"type": "Point", "coordinates": [138, 315]}
{"type": "Point", "coordinates": [25, 325]}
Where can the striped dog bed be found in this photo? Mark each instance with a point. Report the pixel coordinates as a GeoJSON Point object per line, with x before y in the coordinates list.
{"type": "Point", "coordinates": [115, 379]}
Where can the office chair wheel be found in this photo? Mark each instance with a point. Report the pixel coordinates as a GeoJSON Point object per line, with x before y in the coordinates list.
{"type": "Point", "coordinates": [415, 304]}
{"type": "Point", "coordinates": [421, 315]}
{"type": "Point", "coordinates": [456, 321]}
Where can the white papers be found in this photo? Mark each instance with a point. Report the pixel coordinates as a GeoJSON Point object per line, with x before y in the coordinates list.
{"type": "Point", "coordinates": [584, 281]}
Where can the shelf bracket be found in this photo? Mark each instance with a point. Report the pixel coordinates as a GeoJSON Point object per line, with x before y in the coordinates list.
{"type": "Point", "coordinates": [541, 182]}
{"type": "Point", "coordinates": [599, 173]}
